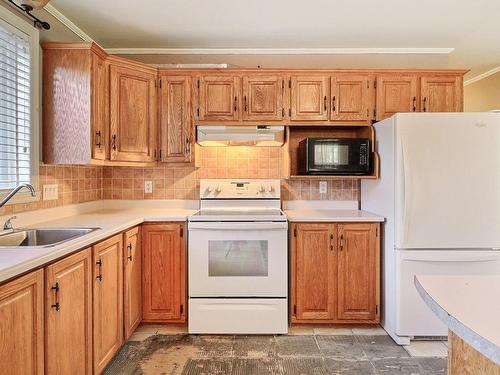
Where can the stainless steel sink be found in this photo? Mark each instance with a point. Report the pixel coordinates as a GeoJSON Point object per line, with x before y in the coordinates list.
{"type": "Point", "coordinates": [42, 237]}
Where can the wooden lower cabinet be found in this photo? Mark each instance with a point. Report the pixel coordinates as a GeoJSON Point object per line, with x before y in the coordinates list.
{"type": "Point", "coordinates": [21, 325]}
{"type": "Point", "coordinates": [335, 273]}
{"type": "Point", "coordinates": [132, 281]}
{"type": "Point", "coordinates": [314, 269]}
{"type": "Point", "coordinates": [68, 315]}
{"type": "Point", "coordinates": [164, 274]}
{"type": "Point", "coordinates": [108, 300]}
{"type": "Point", "coordinates": [358, 275]}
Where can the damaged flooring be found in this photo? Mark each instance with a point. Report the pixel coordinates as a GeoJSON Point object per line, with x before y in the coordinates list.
{"type": "Point", "coordinates": [315, 354]}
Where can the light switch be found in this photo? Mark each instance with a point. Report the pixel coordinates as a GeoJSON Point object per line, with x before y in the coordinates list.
{"type": "Point", "coordinates": [50, 192]}
{"type": "Point", "coordinates": [323, 187]}
{"type": "Point", "coordinates": [148, 187]}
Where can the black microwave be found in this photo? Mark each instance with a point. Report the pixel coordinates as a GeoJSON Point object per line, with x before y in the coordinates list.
{"type": "Point", "coordinates": [335, 156]}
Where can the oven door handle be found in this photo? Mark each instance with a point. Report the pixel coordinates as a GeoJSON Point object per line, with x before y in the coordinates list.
{"type": "Point", "coordinates": [247, 226]}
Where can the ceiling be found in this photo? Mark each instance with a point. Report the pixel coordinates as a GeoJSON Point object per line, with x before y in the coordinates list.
{"type": "Point", "coordinates": [470, 28]}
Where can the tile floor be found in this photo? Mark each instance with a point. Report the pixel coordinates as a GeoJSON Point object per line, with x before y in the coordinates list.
{"type": "Point", "coordinates": [156, 349]}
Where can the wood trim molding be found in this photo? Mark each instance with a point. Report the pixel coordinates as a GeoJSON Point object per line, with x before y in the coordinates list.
{"type": "Point", "coordinates": [482, 76]}
{"type": "Point", "coordinates": [68, 23]}
{"type": "Point", "coordinates": [279, 51]}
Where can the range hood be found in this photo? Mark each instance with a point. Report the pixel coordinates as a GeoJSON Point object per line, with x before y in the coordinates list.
{"type": "Point", "coordinates": [236, 135]}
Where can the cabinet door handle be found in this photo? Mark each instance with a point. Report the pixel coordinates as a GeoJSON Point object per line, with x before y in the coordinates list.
{"type": "Point", "coordinates": [425, 103]}
{"type": "Point", "coordinates": [129, 247]}
{"type": "Point", "coordinates": [113, 142]}
{"type": "Point", "coordinates": [414, 103]}
{"type": "Point", "coordinates": [324, 102]}
{"type": "Point", "coordinates": [334, 108]}
{"type": "Point", "coordinates": [235, 103]}
{"type": "Point", "coordinates": [98, 139]}
{"type": "Point", "coordinates": [99, 264]}
{"type": "Point", "coordinates": [245, 101]}
{"type": "Point", "coordinates": [342, 242]}
{"type": "Point", "coordinates": [56, 304]}
{"type": "Point", "coordinates": [331, 242]}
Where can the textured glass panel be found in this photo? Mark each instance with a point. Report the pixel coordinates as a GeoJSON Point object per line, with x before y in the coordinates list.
{"type": "Point", "coordinates": [237, 258]}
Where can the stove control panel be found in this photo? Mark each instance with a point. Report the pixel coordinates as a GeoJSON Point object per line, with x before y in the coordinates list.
{"type": "Point", "coordinates": [239, 189]}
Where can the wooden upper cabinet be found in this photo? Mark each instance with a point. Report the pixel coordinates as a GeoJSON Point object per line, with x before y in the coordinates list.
{"type": "Point", "coordinates": [68, 315]}
{"type": "Point", "coordinates": [108, 300]}
{"type": "Point", "coordinates": [21, 325]}
{"type": "Point", "coordinates": [396, 93]}
{"type": "Point", "coordinates": [99, 108]}
{"type": "Point", "coordinates": [132, 276]}
{"type": "Point", "coordinates": [441, 94]}
{"type": "Point", "coordinates": [309, 98]}
{"type": "Point", "coordinates": [314, 271]}
{"type": "Point", "coordinates": [164, 274]}
{"type": "Point", "coordinates": [176, 127]}
{"type": "Point", "coordinates": [74, 103]}
{"type": "Point", "coordinates": [350, 98]}
{"type": "Point", "coordinates": [358, 271]}
{"type": "Point", "coordinates": [263, 98]}
{"type": "Point", "coordinates": [219, 98]}
{"type": "Point", "coordinates": [133, 113]}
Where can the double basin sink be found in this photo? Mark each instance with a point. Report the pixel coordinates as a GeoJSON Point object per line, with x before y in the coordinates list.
{"type": "Point", "coordinates": [41, 237]}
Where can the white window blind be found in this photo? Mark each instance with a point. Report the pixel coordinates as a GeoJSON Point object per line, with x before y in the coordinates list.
{"type": "Point", "coordinates": [15, 109]}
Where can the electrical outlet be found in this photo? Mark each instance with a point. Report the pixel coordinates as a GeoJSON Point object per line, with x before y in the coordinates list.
{"type": "Point", "coordinates": [323, 187]}
{"type": "Point", "coordinates": [148, 187]}
{"type": "Point", "coordinates": [50, 192]}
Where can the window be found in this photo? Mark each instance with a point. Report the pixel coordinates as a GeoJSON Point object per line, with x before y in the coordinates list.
{"type": "Point", "coordinates": [18, 125]}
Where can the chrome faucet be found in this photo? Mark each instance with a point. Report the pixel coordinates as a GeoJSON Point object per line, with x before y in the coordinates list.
{"type": "Point", "coordinates": [15, 190]}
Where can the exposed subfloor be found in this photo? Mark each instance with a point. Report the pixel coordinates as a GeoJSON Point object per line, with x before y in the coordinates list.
{"type": "Point", "coordinates": [292, 354]}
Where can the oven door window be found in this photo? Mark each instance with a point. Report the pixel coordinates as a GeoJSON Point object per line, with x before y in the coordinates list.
{"type": "Point", "coordinates": [331, 154]}
{"type": "Point", "coordinates": [237, 258]}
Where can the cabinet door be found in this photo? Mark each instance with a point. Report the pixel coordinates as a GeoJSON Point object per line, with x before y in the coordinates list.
{"type": "Point", "coordinates": [132, 275]}
{"type": "Point", "coordinates": [132, 114]}
{"type": "Point", "coordinates": [68, 312]}
{"type": "Point", "coordinates": [99, 105]}
{"type": "Point", "coordinates": [176, 130]}
{"type": "Point", "coordinates": [309, 98]}
{"type": "Point", "coordinates": [108, 300]}
{"type": "Point", "coordinates": [21, 325]}
{"type": "Point", "coordinates": [164, 272]}
{"type": "Point", "coordinates": [219, 98]}
{"type": "Point", "coordinates": [441, 94]}
{"type": "Point", "coordinates": [350, 98]}
{"type": "Point", "coordinates": [358, 271]}
{"type": "Point", "coordinates": [314, 266]}
{"type": "Point", "coordinates": [263, 98]}
{"type": "Point", "coordinates": [396, 93]}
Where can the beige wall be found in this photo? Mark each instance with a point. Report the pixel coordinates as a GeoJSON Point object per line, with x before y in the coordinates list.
{"type": "Point", "coordinates": [483, 95]}
{"type": "Point", "coordinates": [303, 61]}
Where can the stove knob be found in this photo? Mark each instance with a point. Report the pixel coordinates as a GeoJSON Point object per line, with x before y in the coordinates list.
{"type": "Point", "coordinates": [218, 189]}
{"type": "Point", "coordinates": [270, 188]}
{"type": "Point", "coordinates": [209, 189]}
{"type": "Point", "coordinates": [262, 189]}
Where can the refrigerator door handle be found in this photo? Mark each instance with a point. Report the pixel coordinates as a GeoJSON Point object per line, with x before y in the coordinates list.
{"type": "Point", "coordinates": [437, 256]}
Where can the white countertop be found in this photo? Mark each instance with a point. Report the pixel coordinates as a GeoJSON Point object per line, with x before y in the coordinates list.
{"type": "Point", "coordinates": [469, 306]}
{"type": "Point", "coordinates": [327, 211]}
{"type": "Point", "coordinates": [332, 216]}
{"type": "Point", "coordinates": [112, 220]}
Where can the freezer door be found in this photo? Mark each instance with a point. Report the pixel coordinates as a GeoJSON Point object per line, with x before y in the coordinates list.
{"type": "Point", "coordinates": [414, 317]}
{"type": "Point", "coordinates": [448, 180]}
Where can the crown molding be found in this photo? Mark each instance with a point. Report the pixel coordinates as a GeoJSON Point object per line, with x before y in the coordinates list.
{"type": "Point", "coordinates": [68, 23]}
{"type": "Point", "coordinates": [482, 76]}
{"type": "Point", "coordinates": [278, 51]}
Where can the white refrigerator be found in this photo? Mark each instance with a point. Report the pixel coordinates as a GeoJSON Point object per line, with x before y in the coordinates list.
{"type": "Point", "coordinates": [439, 190]}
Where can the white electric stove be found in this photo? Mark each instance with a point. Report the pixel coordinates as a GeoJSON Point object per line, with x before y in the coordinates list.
{"type": "Point", "coordinates": [237, 259]}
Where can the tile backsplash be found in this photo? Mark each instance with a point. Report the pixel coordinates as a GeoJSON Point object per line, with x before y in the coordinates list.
{"type": "Point", "coordinates": [78, 184]}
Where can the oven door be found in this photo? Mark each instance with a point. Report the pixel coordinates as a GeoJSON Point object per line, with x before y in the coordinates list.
{"type": "Point", "coordinates": [237, 259]}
